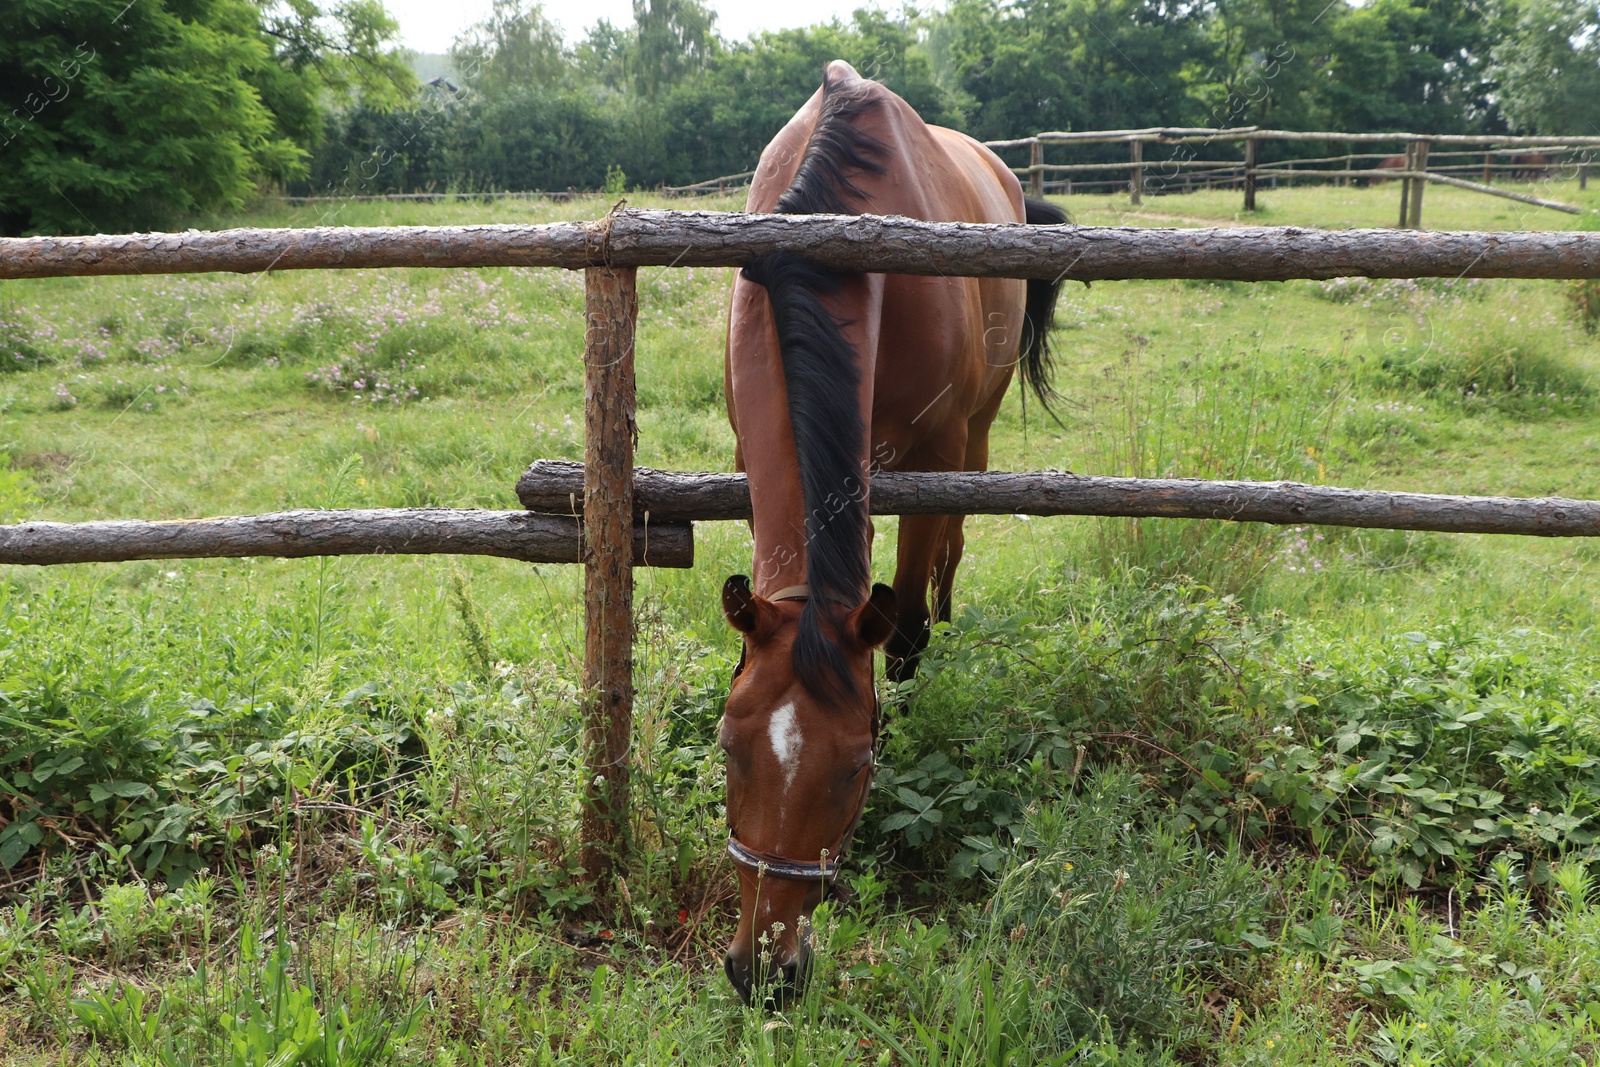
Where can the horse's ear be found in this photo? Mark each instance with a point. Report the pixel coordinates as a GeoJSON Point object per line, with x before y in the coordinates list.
{"type": "Point", "coordinates": [740, 604]}
{"type": "Point", "coordinates": [873, 621]}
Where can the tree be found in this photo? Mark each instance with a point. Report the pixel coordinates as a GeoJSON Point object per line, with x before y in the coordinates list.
{"type": "Point", "coordinates": [516, 48]}
{"type": "Point", "coordinates": [1032, 65]}
{"type": "Point", "coordinates": [672, 41]}
{"type": "Point", "coordinates": [1414, 65]}
{"type": "Point", "coordinates": [342, 55]}
{"type": "Point", "coordinates": [125, 115]}
{"type": "Point", "coordinates": [1268, 58]}
{"type": "Point", "coordinates": [1549, 68]}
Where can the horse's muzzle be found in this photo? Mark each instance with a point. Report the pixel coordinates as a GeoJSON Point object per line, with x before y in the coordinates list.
{"type": "Point", "coordinates": [782, 983]}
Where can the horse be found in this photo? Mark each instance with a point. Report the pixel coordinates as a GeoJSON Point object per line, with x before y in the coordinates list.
{"type": "Point", "coordinates": [1386, 163]}
{"type": "Point", "coordinates": [829, 376]}
{"type": "Point", "coordinates": [1530, 166]}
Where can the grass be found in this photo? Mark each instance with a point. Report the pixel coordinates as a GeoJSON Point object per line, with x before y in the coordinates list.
{"type": "Point", "coordinates": [1164, 791]}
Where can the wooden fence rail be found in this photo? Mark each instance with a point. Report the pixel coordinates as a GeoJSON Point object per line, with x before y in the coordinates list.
{"type": "Point", "coordinates": [1203, 135]}
{"type": "Point", "coordinates": [1416, 148]}
{"type": "Point", "coordinates": [297, 534]}
{"type": "Point", "coordinates": [844, 242]}
{"type": "Point", "coordinates": [552, 485]}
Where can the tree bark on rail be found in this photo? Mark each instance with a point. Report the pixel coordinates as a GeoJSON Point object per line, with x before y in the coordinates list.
{"type": "Point", "coordinates": [845, 242]}
{"type": "Point", "coordinates": [297, 534]}
{"type": "Point", "coordinates": [547, 484]}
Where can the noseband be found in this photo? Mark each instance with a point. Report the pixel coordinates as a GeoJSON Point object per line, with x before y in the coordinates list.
{"type": "Point", "coordinates": [826, 867]}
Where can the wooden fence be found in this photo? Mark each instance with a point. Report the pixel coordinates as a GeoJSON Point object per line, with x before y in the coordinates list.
{"type": "Point", "coordinates": [1414, 174]}
{"type": "Point", "coordinates": [1501, 154]}
{"type": "Point", "coordinates": [630, 518]}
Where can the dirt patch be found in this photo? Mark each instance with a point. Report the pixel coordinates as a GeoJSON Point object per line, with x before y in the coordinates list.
{"type": "Point", "coordinates": [43, 462]}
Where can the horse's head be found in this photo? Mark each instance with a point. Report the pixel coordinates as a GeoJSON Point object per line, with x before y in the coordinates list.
{"type": "Point", "coordinates": [800, 762]}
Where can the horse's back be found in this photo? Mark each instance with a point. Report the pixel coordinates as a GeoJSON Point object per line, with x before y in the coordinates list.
{"type": "Point", "coordinates": [947, 345]}
{"type": "Point", "coordinates": [932, 173]}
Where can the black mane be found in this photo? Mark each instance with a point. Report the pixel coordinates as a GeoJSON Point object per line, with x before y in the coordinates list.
{"type": "Point", "coordinates": [835, 152]}
{"type": "Point", "coordinates": [822, 373]}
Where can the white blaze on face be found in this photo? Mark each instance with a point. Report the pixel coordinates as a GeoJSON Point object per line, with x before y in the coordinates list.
{"type": "Point", "coordinates": [784, 733]}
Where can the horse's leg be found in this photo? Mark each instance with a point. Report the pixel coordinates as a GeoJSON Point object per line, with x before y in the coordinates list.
{"type": "Point", "coordinates": [922, 543]}
{"type": "Point", "coordinates": [977, 459]}
{"type": "Point", "coordinates": [944, 571]}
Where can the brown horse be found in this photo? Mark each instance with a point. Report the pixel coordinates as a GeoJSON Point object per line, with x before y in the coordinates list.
{"type": "Point", "coordinates": [828, 377]}
{"type": "Point", "coordinates": [1387, 163]}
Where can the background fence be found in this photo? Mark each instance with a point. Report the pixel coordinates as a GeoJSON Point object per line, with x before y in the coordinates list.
{"type": "Point", "coordinates": [1519, 157]}
{"type": "Point", "coordinates": [1412, 159]}
{"type": "Point", "coordinates": [630, 518]}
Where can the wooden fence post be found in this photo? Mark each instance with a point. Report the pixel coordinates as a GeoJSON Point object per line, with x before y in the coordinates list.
{"type": "Point", "coordinates": [1488, 169]}
{"type": "Point", "coordinates": [1583, 175]}
{"type": "Point", "coordinates": [1136, 172]}
{"type": "Point", "coordinates": [1405, 190]}
{"type": "Point", "coordinates": [1419, 163]}
{"type": "Point", "coordinates": [1035, 168]}
{"type": "Point", "coordinates": [1251, 150]}
{"type": "Point", "coordinates": [611, 310]}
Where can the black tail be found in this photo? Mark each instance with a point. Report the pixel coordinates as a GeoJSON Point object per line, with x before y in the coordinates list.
{"type": "Point", "coordinates": [1040, 311]}
{"type": "Point", "coordinates": [823, 379]}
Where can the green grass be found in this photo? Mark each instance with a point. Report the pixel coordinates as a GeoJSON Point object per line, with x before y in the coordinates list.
{"type": "Point", "coordinates": [1165, 791]}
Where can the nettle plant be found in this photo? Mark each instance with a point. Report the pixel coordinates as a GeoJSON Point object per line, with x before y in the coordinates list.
{"type": "Point", "coordinates": [1425, 753]}
{"type": "Point", "coordinates": [1008, 709]}
{"type": "Point", "coordinates": [1421, 756]}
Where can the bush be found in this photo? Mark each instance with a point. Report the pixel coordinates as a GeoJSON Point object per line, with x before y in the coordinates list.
{"type": "Point", "coordinates": [1111, 905]}
{"type": "Point", "coordinates": [96, 746]}
{"type": "Point", "coordinates": [1006, 709]}
{"type": "Point", "coordinates": [1420, 756]}
{"type": "Point", "coordinates": [1497, 365]}
{"type": "Point", "coordinates": [1426, 753]}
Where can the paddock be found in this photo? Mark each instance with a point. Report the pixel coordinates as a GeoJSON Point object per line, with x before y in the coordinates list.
{"type": "Point", "coordinates": [614, 518]}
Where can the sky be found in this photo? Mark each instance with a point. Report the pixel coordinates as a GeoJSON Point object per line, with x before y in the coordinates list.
{"type": "Point", "coordinates": [430, 26]}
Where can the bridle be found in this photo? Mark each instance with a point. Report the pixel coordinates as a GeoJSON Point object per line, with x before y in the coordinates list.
{"type": "Point", "coordinates": [826, 867]}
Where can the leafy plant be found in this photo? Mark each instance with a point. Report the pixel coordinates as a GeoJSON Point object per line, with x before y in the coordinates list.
{"type": "Point", "coordinates": [17, 496]}
{"type": "Point", "coordinates": [1584, 296]}
{"type": "Point", "coordinates": [1432, 751]}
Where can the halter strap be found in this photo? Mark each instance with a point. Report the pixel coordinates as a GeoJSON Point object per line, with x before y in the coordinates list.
{"type": "Point", "coordinates": [825, 868]}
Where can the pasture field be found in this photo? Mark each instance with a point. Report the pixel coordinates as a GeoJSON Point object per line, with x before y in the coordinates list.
{"type": "Point", "coordinates": [1165, 792]}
